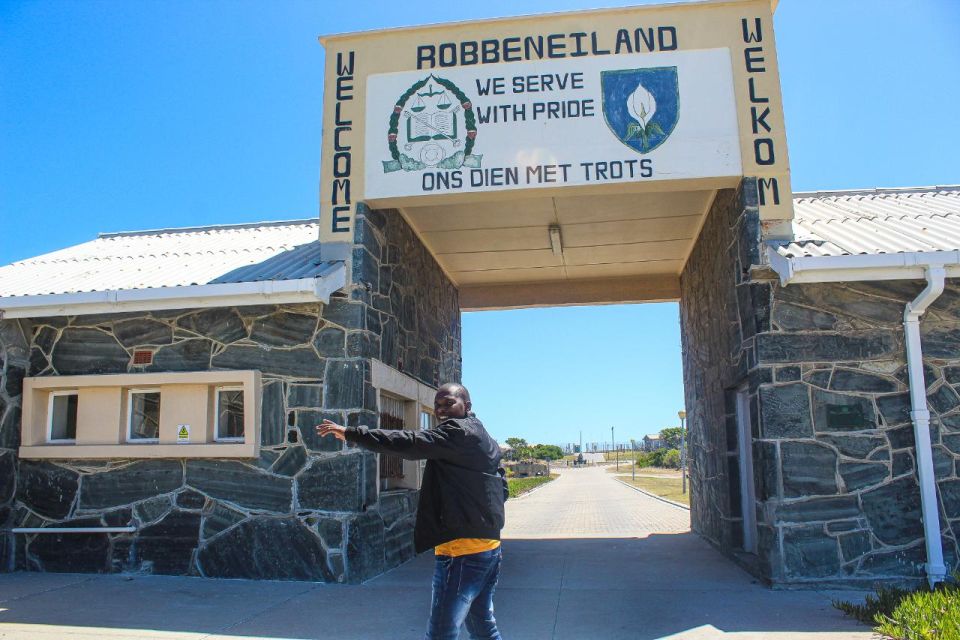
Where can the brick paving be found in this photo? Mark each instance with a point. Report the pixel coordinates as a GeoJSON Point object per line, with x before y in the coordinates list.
{"type": "Point", "coordinates": [588, 503]}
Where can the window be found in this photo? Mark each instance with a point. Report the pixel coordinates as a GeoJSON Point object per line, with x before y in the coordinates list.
{"type": "Point", "coordinates": [62, 417]}
{"type": "Point", "coordinates": [116, 416]}
{"type": "Point", "coordinates": [427, 419]}
{"type": "Point", "coordinates": [392, 411]}
{"type": "Point", "coordinates": [229, 414]}
{"type": "Point", "coordinates": [403, 403]}
{"type": "Point", "coordinates": [143, 417]}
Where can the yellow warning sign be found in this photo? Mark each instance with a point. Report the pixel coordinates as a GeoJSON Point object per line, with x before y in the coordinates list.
{"type": "Point", "coordinates": [183, 433]}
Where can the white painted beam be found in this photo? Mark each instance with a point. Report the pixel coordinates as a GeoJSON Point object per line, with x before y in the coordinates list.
{"type": "Point", "coordinates": [188, 297]}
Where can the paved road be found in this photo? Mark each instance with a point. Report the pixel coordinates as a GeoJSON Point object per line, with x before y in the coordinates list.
{"type": "Point", "coordinates": [623, 566]}
{"type": "Point", "coordinates": [587, 503]}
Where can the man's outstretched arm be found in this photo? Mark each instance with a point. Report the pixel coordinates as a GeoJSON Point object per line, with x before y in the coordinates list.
{"type": "Point", "coordinates": [444, 441]}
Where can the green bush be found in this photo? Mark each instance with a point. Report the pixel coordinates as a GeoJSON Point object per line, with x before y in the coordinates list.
{"type": "Point", "coordinates": [911, 615]}
{"type": "Point", "coordinates": [668, 458]}
{"type": "Point", "coordinates": [883, 603]}
{"type": "Point", "coordinates": [645, 459]}
{"type": "Point", "coordinates": [671, 459]}
{"type": "Point", "coordinates": [931, 615]}
{"type": "Point", "coordinates": [520, 486]}
{"type": "Point", "coordinates": [658, 457]}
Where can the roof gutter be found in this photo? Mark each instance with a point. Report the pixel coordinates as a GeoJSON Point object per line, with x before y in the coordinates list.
{"type": "Point", "coordinates": [934, 268]}
{"type": "Point", "coordinates": [192, 297]}
{"type": "Point", "coordinates": [886, 266]}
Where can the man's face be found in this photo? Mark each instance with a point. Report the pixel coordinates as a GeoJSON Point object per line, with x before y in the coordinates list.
{"type": "Point", "coordinates": [449, 403]}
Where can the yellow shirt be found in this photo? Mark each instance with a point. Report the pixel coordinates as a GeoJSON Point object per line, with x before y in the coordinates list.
{"type": "Point", "coordinates": [465, 546]}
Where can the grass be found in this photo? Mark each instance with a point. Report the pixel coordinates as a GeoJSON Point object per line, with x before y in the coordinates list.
{"type": "Point", "coordinates": [667, 487]}
{"type": "Point", "coordinates": [647, 471]}
{"type": "Point", "coordinates": [910, 615]}
{"type": "Point", "coordinates": [625, 456]}
{"type": "Point", "coordinates": [520, 486]}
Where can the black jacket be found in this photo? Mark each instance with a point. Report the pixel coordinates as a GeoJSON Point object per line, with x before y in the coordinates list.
{"type": "Point", "coordinates": [463, 489]}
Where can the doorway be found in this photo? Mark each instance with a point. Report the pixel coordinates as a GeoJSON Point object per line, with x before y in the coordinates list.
{"type": "Point", "coordinates": [745, 460]}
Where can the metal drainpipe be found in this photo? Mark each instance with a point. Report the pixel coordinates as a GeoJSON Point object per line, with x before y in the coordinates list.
{"type": "Point", "coordinates": [935, 568]}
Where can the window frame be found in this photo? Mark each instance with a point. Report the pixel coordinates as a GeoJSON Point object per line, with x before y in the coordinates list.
{"type": "Point", "coordinates": [216, 414]}
{"type": "Point", "coordinates": [129, 433]}
{"type": "Point", "coordinates": [50, 401]}
{"type": "Point", "coordinates": [416, 396]}
{"type": "Point", "coordinates": [387, 400]}
{"type": "Point", "coordinates": [102, 415]}
{"type": "Point", "coordinates": [426, 412]}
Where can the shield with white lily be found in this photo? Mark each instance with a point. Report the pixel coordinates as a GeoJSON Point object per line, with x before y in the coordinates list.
{"type": "Point", "coordinates": [641, 106]}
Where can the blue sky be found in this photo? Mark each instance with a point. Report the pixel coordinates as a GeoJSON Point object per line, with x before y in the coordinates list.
{"type": "Point", "coordinates": [132, 115]}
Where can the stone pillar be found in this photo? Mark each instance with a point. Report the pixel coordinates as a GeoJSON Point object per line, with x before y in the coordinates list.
{"type": "Point", "coordinates": [721, 310]}
{"type": "Point", "coordinates": [824, 369]}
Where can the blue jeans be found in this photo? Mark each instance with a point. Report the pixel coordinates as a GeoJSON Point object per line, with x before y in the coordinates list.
{"type": "Point", "coordinates": [463, 589]}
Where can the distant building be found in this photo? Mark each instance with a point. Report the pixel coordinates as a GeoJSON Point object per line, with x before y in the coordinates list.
{"type": "Point", "coordinates": [652, 442]}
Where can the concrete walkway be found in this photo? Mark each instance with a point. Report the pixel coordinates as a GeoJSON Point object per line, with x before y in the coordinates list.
{"type": "Point", "coordinates": [585, 502]}
{"type": "Point", "coordinates": [612, 573]}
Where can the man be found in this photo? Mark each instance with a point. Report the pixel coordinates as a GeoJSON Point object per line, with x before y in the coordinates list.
{"type": "Point", "coordinates": [460, 512]}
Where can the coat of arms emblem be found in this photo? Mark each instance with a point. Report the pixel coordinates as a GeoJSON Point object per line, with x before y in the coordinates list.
{"type": "Point", "coordinates": [641, 106]}
{"type": "Point", "coordinates": [432, 125]}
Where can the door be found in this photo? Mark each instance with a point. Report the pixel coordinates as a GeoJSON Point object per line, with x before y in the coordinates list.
{"type": "Point", "coordinates": [745, 455]}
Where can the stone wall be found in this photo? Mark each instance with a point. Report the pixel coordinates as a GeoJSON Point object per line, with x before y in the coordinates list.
{"type": "Point", "coordinates": [307, 508]}
{"type": "Point", "coordinates": [14, 361]}
{"type": "Point", "coordinates": [718, 322]}
{"type": "Point", "coordinates": [837, 465]}
{"type": "Point", "coordinates": [823, 365]}
{"type": "Point", "coordinates": [409, 309]}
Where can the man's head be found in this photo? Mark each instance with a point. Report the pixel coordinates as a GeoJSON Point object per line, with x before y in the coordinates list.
{"type": "Point", "coordinates": [452, 401]}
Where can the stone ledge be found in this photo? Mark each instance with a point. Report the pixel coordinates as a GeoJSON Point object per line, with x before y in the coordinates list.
{"type": "Point", "coordinates": [80, 452]}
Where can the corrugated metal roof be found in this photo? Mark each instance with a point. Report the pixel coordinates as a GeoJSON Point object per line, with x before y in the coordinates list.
{"type": "Point", "coordinates": [827, 223]}
{"type": "Point", "coordinates": [172, 257]}
{"type": "Point", "coordinates": [876, 221]}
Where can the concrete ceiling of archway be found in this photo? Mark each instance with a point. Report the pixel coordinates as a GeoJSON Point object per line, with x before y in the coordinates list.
{"type": "Point", "coordinates": [619, 247]}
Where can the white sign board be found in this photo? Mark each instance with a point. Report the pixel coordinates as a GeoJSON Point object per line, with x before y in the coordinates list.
{"type": "Point", "coordinates": [586, 121]}
{"type": "Point", "coordinates": [183, 434]}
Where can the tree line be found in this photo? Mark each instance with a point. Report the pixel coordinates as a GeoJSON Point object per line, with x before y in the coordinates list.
{"type": "Point", "coordinates": [523, 450]}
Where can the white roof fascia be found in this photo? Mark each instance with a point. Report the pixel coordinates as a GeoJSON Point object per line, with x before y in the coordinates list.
{"type": "Point", "coordinates": [885, 266]}
{"type": "Point", "coordinates": [192, 297]}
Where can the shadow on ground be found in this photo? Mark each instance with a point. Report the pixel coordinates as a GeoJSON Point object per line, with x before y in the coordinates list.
{"type": "Point", "coordinates": [619, 588]}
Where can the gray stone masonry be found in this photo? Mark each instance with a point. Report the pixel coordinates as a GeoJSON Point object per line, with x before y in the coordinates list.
{"type": "Point", "coordinates": [841, 501]}
{"type": "Point", "coordinates": [307, 509]}
{"type": "Point", "coordinates": [837, 498]}
{"type": "Point", "coordinates": [714, 362]}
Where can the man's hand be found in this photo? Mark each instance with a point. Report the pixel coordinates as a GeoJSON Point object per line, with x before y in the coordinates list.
{"type": "Point", "coordinates": [330, 428]}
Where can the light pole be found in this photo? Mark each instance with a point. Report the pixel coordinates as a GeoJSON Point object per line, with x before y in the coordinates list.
{"type": "Point", "coordinates": [683, 448]}
{"type": "Point", "coordinates": [611, 437]}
